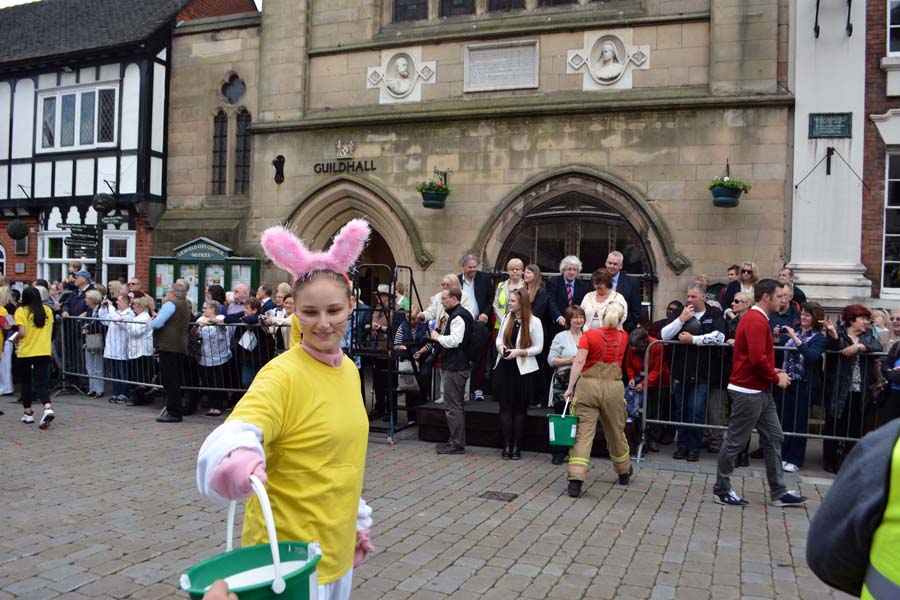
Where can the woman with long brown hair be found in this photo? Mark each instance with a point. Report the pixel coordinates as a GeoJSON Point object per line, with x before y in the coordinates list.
{"type": "Point", "coordinates": [519, 342]}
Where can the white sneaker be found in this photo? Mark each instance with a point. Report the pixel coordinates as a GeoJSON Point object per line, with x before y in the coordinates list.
{"type": "Point", "coordinates": [789, 467]}
{"type": "Point", "coordinates": [28, 419]}
{"type": "Point", "coordinates": [439, 400]}
{"type": "Point", "coordinates": [47, 418]}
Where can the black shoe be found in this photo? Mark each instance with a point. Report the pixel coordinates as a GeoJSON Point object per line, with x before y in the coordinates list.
{"type": "Point", "coordinates": [652, 446]}
{"type": "Point", "coordinates": [742, 460]}
{"type": "Point", "coordinates": [574, 489]}
{"type": "Point", "coordinates": [680, 454]}
{"type": "Point", "coordinates": [515, 454]}
{"type": "Point", "coordinates": [168, 419]}
{"type": "Point", "coordinates": [448, 449]}
{"type": "Point", "coordinates": [730, 499]}
{"type": "Point", "coordinates": [758, 453]}
{"type": "Point", "coordinates": [624, 478]}
{"type": "Point", "coordinates": [713, 449]}
{"type": "Point", "coordinates": [693, 455]}
{"type": "Point", "coordinates": [507, 452]}
{"type": "Point", "coordinates": [557, 459]}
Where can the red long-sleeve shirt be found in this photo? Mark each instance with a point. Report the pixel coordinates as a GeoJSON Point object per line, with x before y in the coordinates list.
{"type": "Point", "coordinates": [657, 374]}
{"type": "Point", "coordinates": [753, 357]}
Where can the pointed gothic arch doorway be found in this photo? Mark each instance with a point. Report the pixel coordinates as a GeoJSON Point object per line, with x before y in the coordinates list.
{"type": "Point", "coordinates": [578, 224]}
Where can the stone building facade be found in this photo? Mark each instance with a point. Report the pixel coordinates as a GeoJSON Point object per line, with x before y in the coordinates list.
{"type": "Point", "coordinates": [576, 128]}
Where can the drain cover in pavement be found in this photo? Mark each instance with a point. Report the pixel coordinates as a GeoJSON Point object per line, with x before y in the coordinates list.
{"type": "Point", "coordinates": [501, 496]}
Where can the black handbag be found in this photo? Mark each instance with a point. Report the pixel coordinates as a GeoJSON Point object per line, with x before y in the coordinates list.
{"type": "Point", "coordinates": [561, 378]}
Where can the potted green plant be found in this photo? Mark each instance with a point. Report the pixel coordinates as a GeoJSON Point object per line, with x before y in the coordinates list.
{"type": "Point", "coordinates": [726, 191]}
{"type": "Point", "coordinates": [434, 193]}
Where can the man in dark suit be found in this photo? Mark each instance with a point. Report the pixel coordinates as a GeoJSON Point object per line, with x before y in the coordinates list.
{"type": "Point", "coordinates": [628, 286]}
{"type": "Point", "coordinates": [264, 293]}
{"type": "Point", "coordinates": [566, 289]}
{"type": "Point", "coordinates": [477, 284]}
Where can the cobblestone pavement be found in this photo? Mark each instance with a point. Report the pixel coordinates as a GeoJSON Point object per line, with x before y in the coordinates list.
{"type": "Point", "coordinates": [103, 505]}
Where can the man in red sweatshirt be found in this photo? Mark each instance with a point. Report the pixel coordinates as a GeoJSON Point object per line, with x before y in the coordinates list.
{"type": "Point", "coordinates": [750, 388]}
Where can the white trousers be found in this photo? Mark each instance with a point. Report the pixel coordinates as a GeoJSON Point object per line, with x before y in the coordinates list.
{"type": "Point", "coordinates": [6, 381]}
{"type": "Point", "coordinates": [338, 589]}
{"type": "Point", "coordinates": [93, 362]}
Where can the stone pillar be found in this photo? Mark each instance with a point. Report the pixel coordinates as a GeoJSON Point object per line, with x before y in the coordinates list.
{"type": "Point", "coordinates": [743, 46]}
{"type": "Point", "coordinates": [828, 76]}
{"type": "Point", "coordinates": [284, 66]}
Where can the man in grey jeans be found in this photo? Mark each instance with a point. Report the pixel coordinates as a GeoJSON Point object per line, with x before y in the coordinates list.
{"type": "Point", "coordinates": [454, 368]}
{"type": "Point", "coordinates": [752, 375]}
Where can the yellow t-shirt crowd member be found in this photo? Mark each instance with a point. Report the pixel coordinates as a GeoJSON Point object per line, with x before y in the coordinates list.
{"type": "Point", "coordinates": [37, 339]}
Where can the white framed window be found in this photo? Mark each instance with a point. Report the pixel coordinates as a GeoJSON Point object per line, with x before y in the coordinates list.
{"type": "Point", "coordinates": [890, 280]}
{"type": "Point", "coordinates": [54, 256]}
{"type": "Point", "coordinates": [894, 26]}
{"type": "Point", "coordinates": [78, 118]}
{"type": "Point", "coordinates": [118, 255]}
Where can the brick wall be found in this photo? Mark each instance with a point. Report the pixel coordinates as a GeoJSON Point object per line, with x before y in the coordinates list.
{"type": "Point", "coordinates": [874, 151]}
{"type": "Point", "coordinates": [9, 248]}
{"type": "Point", "coordinates": [143, 251]}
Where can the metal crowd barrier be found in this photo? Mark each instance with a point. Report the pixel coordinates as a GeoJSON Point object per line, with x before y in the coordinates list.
{"type": "Point", "coordinates": [221, 362]}
{"type": "Point", "coordinates": [221, 359]}
{"type": "Point", "coordinates": [828, 403]}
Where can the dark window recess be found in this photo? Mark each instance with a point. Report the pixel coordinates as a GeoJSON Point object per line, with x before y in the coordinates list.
{"type": "Point", "coordinates": [556, 2]}
{"type": "Point", "coordinates": [48, 134]}
{"type": "Point", "coordinates": [119, 272]}
{"type": "Point", "coordinates": [220, 151]}
{"type": "Point", "coordinates": [22, 246]}
{"type": "Point", "coordinates": [107, 116]}
{"type": "Point", "coordinates": [118, 249]}
{"type": "Point", "coordinates": [55, 248]}
{"type": "Point", "coordinates": [242, 154]}
{"type": "Point", "coordinates": [451, 8]}
{"type": "Point", "coordinates": [67, 121]}
{"type": "Point", "coordinates": [495, 5]}
{"type": "Point", "coordinates": [410, 10]}
{"type": "Point", "coordinates": [88, 105]}
{"type": "Point", "coordinates": [234, 89]}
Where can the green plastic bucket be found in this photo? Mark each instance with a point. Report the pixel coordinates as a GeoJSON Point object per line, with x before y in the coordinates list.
{"type": "Point", "coordinates": [562, 428]}
{"type": "Point", "coordinates": [284, 570]}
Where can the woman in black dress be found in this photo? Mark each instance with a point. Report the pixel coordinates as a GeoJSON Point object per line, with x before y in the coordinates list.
{"type": "Point", "coordinates": [519, 342]}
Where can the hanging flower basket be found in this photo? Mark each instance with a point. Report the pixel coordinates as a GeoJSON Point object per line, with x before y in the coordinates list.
{"type": "Point", "coordinates": [434, 194]}
{"type": "Point", "coordinates": [726, 191]}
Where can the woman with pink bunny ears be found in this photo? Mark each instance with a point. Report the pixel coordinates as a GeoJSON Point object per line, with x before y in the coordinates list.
{"type": "Point", "coordinates": [300, 427]}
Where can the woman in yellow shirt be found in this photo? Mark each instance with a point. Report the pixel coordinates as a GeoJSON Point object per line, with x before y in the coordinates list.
{"type": "Point", "coordinates": [301, 427]}
{"type": "Point", "coordinates": [34, 323]}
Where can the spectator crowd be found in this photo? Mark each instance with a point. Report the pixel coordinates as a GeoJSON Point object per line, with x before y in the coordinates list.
{"type": "Point", "coordinates": [514, 339]}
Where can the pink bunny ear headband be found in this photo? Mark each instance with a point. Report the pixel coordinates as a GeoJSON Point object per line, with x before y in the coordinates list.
{"type": "Point", "coordinates": [288, 252]}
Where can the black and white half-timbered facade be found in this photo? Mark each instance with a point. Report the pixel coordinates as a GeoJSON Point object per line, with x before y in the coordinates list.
{"type": "Point", "coordinates": [83, 111]}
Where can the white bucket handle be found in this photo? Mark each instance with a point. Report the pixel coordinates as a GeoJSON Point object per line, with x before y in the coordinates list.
{"type": "Point", "coordinates": [278, 584]}
{"type": "Point", "coordinates": [565, 409]}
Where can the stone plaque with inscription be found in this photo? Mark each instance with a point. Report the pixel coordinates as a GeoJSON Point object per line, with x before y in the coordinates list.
{"type": "Point", "coordinates": [501, 66]}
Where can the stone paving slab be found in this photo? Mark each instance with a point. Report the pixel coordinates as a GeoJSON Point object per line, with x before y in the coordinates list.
{"type": "Point", "coordinates": [103, 505]}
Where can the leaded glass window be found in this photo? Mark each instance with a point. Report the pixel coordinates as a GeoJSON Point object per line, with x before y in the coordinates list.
{"type": "Point", "coordinates": [220, 152]}
{"type": "Point", "coordinates": [67, 121]}
{"type": "Point", "coordinates": [48, 135]}
{"type": "Point", "coordinates": [410, 10]}
{"type": "Point", "coordinates": [88, 105]}
{"type": "Point", "coordinates": [450, 8]}
{"type": "Point", "coordinates": [497, 5]}
{"type": "Point", "coordinates": [242, 154]}
{"type": "Point", "coordinates": [106, 113]}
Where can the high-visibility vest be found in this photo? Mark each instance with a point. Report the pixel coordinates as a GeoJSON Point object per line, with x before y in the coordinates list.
{"type": "Point", "coordinates": [883, 576]}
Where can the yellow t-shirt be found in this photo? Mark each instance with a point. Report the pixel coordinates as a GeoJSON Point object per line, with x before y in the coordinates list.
{"type": "Point", "coordinates": [296, 332]}
{"type": "Point", "coordinates": [315, 433]}
{"type": "Point", "coordinates": [37, 339]}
